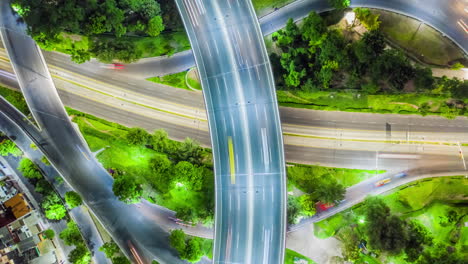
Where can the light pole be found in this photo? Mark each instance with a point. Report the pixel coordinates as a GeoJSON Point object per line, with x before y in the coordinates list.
{"type": "Point", "coordinates": [462, 157]}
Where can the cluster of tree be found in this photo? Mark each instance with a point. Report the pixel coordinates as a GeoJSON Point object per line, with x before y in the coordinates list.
{"type": "Point", "coordinates": [339, 4]}
{"type": "Point", "coordinates": [178, 164]}
{"type": "Point", "coordinates": [8, 147]}
{"type": "Point", "coordinates": [29, 169]}
{"type": "Point", "coordinates": [49, 234]}
{"type": "Point", "coordinates": [314, 57]}
{"type": "Point", "coordinates": [73, 199]}
{"type": "Point", "coordinates": [71, 236]}
{"type": "Point", "coordinates": [51, 203]}
{"type": "Point", "coordinates": [189, 249]}
{"type": "Point", "coordinates": [389, 233]}
{"type": "Point", "coordinates": [104, 21]}
{"type": "Point", "coordinates": [113, 253]}
{"type": "Point", "coordinates": [318, 187]}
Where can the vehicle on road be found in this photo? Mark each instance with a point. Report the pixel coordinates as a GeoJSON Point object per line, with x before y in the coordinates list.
{"type": "Point", "coordinates": [401, 174]}
{"type": "Point", "coordinates": [382, 182]}
{"type": "Point", "coordinates": [324, 206]}
{"type": "Point", "coordinates": [113, 66]}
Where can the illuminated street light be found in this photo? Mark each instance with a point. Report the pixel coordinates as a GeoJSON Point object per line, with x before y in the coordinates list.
{"type": "Point", "coordinates": [350, 17]}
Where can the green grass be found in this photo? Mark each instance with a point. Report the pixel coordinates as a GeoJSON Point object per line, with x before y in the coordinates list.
{"type": "Point", "coordinates": [134, 161]}
{"type": "Point", "coordinates": [15, 98]}
{"type": "Point", "coordinates": [175, 80]}
{"type": "Point", "coordinates": [329, 227]}
{"type": "Point", "coordinates": [419, 39]}
{"type": "Point", "coordinates": [346, 177]}
{"type": "Point", "coordinates": [290, 255]}
{"type": "Point", "coordinates": [262, 4]}
{"type": "Point", "coordinates": [194, 83]}
{"type": "Point", "coordinates": [352, 102]}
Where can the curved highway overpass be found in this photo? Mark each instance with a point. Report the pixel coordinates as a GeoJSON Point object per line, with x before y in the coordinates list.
{"type": "Point", "coordinates": [70, 155]}
{"type": "Point", "coordinates": [250, 178]}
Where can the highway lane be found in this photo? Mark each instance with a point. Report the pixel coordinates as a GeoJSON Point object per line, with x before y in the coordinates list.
{"type": "Point", "coordinates": [250, 178]}
{"type": "Point", "coordinates": [343, 125]}
{"type": "Point", "coordinates": [191, 103]}
{"type": "Point", "coordinates": [70, 155]}
{"type": "Point", "coordinates": [321, 150]}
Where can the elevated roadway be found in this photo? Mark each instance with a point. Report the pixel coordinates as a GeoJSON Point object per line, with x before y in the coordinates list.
{"type": "Point", "coordinates": [245, 129]}
{"type": "Point", "coordinates": [70, 155]}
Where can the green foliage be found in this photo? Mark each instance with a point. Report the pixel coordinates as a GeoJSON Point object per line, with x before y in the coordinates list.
{"type": "Point", "coordinates": [307, 204]}
{"type": "Point", "coordinates": [189, 151]}
{"type": "Point", "coordinates": [120, 260]}
{"type": "Point", "coordinates": [33, 146]}
{"type": "Point", "coordinates": [80, 255]}
{"type": "Point", "coordinates": [174, 80]}
{"type": "Point", "coordinates": [110, 249]}
{"type": "Point", "coordinates": [155, 26]}
{"type": "Point", "coordinates": [108, 50]}
{"type": "Point", "coordinates": [188, 248]}
{"type": "Point", "coordinates": [45, 160]}
{"type": "Point", "coordinates": [369, 21]}
{"type": "Point", "coordinates": [73, 199]}
{"type": "Point", "coordinates": [8, 147]}
{"type": "Point", "coordinates": [457, 66]}
{"type": "Point", "coordinates": [101, 20]}
{"type": "Point", "coordinates": [423, 79]}
{"type": "Point", "coordinates": [71, 235]}
{"type": "Point", "coordinates": [29, 169]}
{"type": "Point", "coordinates": [138, 136]}
{"type": "Point", "coordinates": [16, 99]}
{"type": "Point", "coordinates": [49, 234]}
{"type": "Point", "coordinates": [177, 240]}
{"type": "Point", "coordinates": [339, 4]}
{"type": "Point", "coordinates": [293, 210]}
{"type": "Point", "coordinates": [126, 189]}
{"type": "Point", "coordinates": [43, 186]}
{"type": "Point", "coordinates": [150, 169]}
{"type": "Point", "coordinates": [390, 233]}
{"type": "Point", "coordinates": [53, 207]}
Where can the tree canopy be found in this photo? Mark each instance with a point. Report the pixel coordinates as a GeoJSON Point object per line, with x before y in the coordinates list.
{"type": "Point", "coordinates": [71, 235]}
{"type": "Point", "coordinates": [73, 199]}
{"type": "Point", "coordinates": [53, 207]}
{"type": "Point", "coordinates": [8, 147]}
{"type": "Point", "coordinates": [126, 189]}
{"type": "Point", "coordinates": [29, 169]}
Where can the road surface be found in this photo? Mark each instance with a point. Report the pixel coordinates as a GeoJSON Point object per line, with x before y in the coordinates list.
{"type": "Point", "coordinates": [70, 155]}
{"type": "Point", "coordinates": [245, 129]}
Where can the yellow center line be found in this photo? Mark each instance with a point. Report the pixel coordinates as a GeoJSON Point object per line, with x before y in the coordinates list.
{"type": "Point", "coordinates": [232, 164]}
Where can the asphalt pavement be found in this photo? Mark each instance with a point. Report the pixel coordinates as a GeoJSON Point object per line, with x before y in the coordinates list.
{"type": "Point", "coordinates": [70, 155]}
{"type": "Point", "coordinates": [245, 129]}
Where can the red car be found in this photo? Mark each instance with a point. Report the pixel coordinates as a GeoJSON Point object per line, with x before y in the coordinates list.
{"type": "Point", "coordinates": [323, 206]}
{"type": "Point", "coordinates": [114, 66]}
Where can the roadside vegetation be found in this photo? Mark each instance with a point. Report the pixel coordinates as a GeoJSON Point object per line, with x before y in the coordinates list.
{"type": "Point", "coordinates": [114, 253]}
{"type": "Point", "coordinates": [122, 30]}
{"type": "Point", "coordinates": [317, 186]}
{"type": "Point", "coordinates": [184, 80]}
{"type": "Point", "coordinates": [421, 222]}
{"type": "Point", "coordinates": [16, 99]}
{"type": "Point", "coordinates": [190, 248]}
{"type": "Point", "coordinates": [318, 65]}
{"type": "Point", "coordinates": [177, 175]}
{"type": "Point", "coordinates": [52, 204]}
